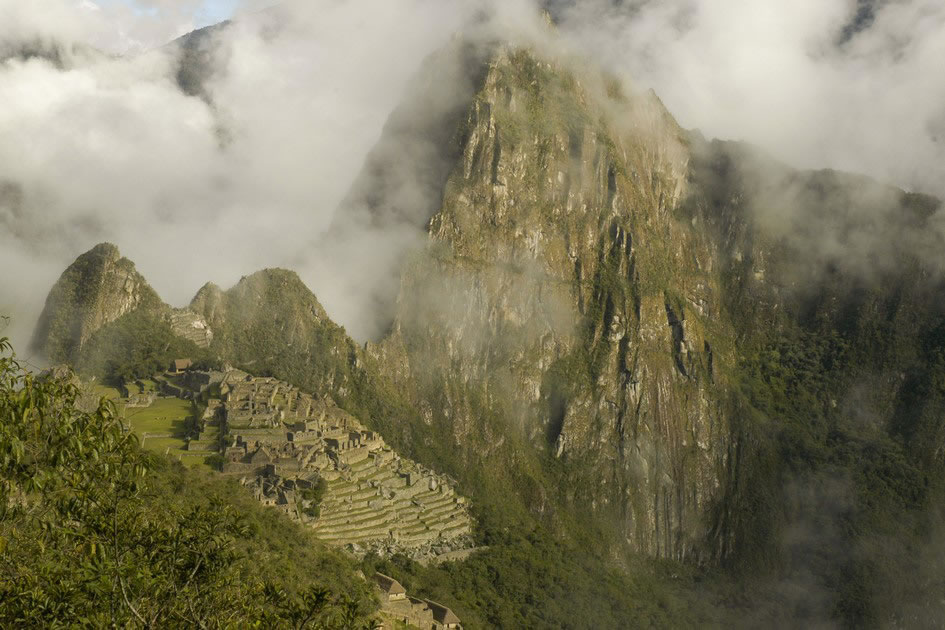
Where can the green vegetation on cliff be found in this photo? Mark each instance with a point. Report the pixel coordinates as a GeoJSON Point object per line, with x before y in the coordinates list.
{"type": "Point", "coordinates": [628, 346]}
{"type": "Point", "coordinates": [95, 532]}
{"type": "Point", "coordinates": [99, 287]}
{"type": "Point", "coordinates": [527, 579]}
{"type": "Point", "coordinates": [827, 497]}
{"type": "Point", "coordinates": [134, 346]}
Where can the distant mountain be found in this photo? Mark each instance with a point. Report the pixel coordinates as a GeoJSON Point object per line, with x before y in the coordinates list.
{"type": "Point", "coordinates": [59, 54]}
{"type": "Point", "coordinates": [196, 58]}
{"type": "Point", "coordinates": [98, 288]}
{"type": "Point", "coordinates": [620, 332]}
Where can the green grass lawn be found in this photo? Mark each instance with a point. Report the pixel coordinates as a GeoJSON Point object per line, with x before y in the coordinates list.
{"type": "Point", "coordinates": [108, 392]}
{"type": "Point", "coordinates": [166, 415]}
{"type": "Point", "coordinates": [161, 445]}
{"type": "Point", "coordinates": [169, 416]}
{"type": "Point", "coordinates": [192, 460]}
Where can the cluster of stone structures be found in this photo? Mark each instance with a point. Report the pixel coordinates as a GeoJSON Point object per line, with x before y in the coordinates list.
{"type": "Point", "coordinates": [317, 463]}
{"type": "Point", "coordinates": [397, 607]}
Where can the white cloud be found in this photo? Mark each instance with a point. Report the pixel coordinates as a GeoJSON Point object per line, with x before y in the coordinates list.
{"type": "Point", "coordinates": [110, 149]}
{"type": "Point", "coordinates": [774, 73]}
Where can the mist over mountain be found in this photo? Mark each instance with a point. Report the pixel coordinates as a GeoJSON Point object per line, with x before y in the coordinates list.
{"type": "Point", "coordinates": [224, 166]}
{"type": "Point", "coordinates": [708, 373]}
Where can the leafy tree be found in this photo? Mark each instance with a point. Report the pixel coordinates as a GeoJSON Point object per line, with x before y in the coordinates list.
{"type": "Point", "coordinates": [137, 345]}
{"type": "Point", "coordinates": [81, 543]}
{"type": "Point", "coordinates": [314, 496]}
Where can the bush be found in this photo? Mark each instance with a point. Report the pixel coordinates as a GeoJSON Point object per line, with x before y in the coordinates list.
{"type": "Point", "coordinates": [96, 532]}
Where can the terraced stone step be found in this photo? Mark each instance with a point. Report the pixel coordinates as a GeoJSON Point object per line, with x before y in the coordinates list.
{"type": "Point", "coordinates": [446, 526]}
{"type": "Point", "coordinates": [338, 493]}
{"type": "Point", "coordinates": [414, 528]}
{"type": "Point", "coordinates": [339, 518]}
{"type": "Point", "coordinates": [381, 476]}
{"type": "Point", "coordinates": [365, 494]}
{"type": "Point", "coordinates": [441, 521]}
{"type": "Point", "coordinates": [416, 538]}
{"type": "Point", "coordinates": [346, 522]}
{"type": "Point", "coordinates": [403, 505]}
{"type": "Point", "coordinates": [360, 538]}
{"type": "Point", "coordinates": [350, 524]}
{"type": "Point", "coordinates": [425, 494]}
{"type": "Point", "coordinates": [429, 523]}
{"type": "Point", "coordinates": [375, 525]}
{"type": "Point", "coordinates": [376, 530]}
{"type": "Point", "coordinates": [443, 509]}
{"type": "Point", "coordinates": [437, 502]}
{"type": "Point", "coordinates": [356, 510]}
{"type": "Point", "coordinates": [413, 492]}
{"type": "Point", "coordinates": [362, 465]}
{"type": "Point", "coordinates": [372, 521]}
{"type": "Point", "coordinates": [439, 524]}
{"type": "Point", "coordinates": [458, 529]}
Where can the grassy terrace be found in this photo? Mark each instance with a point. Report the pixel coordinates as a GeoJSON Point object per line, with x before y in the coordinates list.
{"type": "Point", "coordinates": [169, 418]}
{"type": "Point", "coordinates": [107, 392]}
{"type": "Point", "coordinates": [140, 387]}
{"type": "Point", "coordinates": [166, 415]}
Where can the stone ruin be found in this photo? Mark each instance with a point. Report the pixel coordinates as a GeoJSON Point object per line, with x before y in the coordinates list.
{"type": "Point", "coordinates": [281, 442]}
{"type": "Point", "coordinates": [399, 609]}
{"type": "Point", "coordinates": [191, 326]}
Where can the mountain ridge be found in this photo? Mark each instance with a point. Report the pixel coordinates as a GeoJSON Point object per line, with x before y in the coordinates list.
{"type": "Point", "coordinates": [658, 343]}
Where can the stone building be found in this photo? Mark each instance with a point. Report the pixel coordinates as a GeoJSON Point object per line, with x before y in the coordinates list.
{"type": "Point", "coordinates": [391, 589]}
{"type": "Point", "coordinates": [397, 608]}
{"type": "Point", "coordinates": [443, 617]}
{"type": "Point", "coordinates": [281, 441]}
{"type": "Point", "coordinates": [180, 365]}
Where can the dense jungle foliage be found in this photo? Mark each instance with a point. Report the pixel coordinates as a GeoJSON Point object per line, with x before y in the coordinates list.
{"type": "Point", "coordinates": [840, 517]}
{"type": "Point", "coordinates": [137, 345]}
{"type": "Point", "coordinates": [835, 514]}
{"type": "Point", "coordinates": [95, 532]}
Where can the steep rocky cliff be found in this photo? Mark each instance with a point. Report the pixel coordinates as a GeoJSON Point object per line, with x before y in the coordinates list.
{"type": "Point", "coordinates": [685, 343]}
{"type": "Point", "coordinates": [619, 330]}
{"type": "Point", "coordinates": [271, 322]}
{"type": "Point", "coordinates": [98, 288]}
{"type": "Point", "coordinates": [561, 307]}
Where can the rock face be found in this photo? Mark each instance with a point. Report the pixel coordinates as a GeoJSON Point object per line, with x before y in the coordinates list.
{"type": "Point", "coordinates": [560, 332]}
{"type": "Point", "coordinates": [98, 288]}
{"type": "Point", "coordinates": [561, 306]}
{"type": "Point", "coordinates": [196, 55]}
{"type": "Point", "coordinates": [192, 327]}
{"type": "Point", "coordinates": [617, 327]}
{"type": "Point", "coordinates": [269, 321]}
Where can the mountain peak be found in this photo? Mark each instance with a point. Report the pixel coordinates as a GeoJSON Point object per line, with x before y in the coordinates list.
{"type": "Point", "coordinates": [106, 251]}
{"type": "Point", "coordinates": [97, 288]}
{"type": "Point", "coordinates": [276, 288]}
{"type": "Point", "coordinates": [271, 274]}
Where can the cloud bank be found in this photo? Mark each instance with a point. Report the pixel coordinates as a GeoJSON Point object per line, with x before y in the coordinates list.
{"type": "Point", "coordinates": [855, 86]}
{"type": "Point", "coordinates": [249, 173]}
{"type": "Point", "coordinates": [103, 148]}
